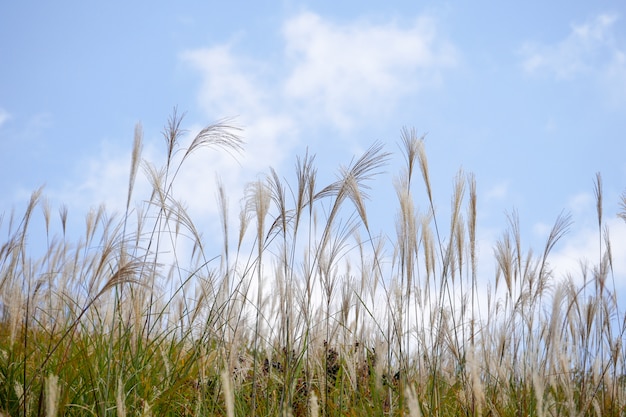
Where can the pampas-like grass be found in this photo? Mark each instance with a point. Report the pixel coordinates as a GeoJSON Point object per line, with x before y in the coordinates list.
{"type": "Point", "coordinates": [312, 311]}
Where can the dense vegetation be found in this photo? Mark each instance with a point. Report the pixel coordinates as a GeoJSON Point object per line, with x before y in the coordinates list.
{"type": "Point", "coordinates": [304, 310]}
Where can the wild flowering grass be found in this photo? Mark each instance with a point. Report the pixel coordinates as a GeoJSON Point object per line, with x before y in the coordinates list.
{"type": "Point", "coordinates": [305, 310]}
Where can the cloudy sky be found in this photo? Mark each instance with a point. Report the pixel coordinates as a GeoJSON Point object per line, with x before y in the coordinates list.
{"type": "Point", "coordinates": [530, 97]}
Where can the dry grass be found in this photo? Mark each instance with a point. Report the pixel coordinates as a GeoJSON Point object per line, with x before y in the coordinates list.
{"type": "Point", "coordinates": [309, 312]}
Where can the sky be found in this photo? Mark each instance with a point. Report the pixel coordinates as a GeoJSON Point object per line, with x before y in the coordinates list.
{"type": "Point", "coordinates": [530, 97]}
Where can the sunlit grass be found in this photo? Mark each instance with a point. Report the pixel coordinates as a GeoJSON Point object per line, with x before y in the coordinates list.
{"type": "Point", "coordinates": [305, 310]}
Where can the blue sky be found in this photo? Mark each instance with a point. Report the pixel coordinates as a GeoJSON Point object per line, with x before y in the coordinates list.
{"type": "Point", "coordinates": [530, 97]}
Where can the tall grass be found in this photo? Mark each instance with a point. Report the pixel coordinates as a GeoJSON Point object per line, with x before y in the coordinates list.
{"type": "Point", "coordinates": [306, 309]}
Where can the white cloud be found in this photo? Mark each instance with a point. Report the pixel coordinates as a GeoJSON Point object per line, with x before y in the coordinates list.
{"type": "Point", "coordinates": [327, 73]}
{"type": "Point", "coordinates": [589, 48]}
{"type": "Point", "coordinates": [233, 85]}
{"type": "Point", "coordinates": [229, 85]}
{"type": "Point", "coordinates": [359, 69]}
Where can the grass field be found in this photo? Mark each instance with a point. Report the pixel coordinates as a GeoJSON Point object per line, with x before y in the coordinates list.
{"type": "Point", "coordinates": [305, 310]}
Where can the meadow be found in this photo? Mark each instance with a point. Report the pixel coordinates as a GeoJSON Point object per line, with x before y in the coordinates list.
{"type": "Point", "coordinates": [306, 309]}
